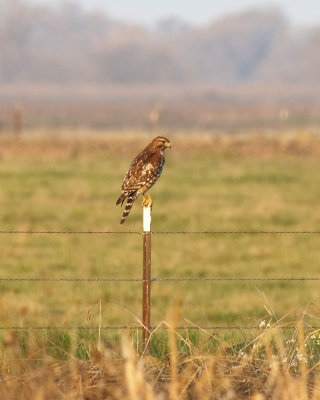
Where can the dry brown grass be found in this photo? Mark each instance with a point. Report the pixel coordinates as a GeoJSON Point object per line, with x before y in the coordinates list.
{"type": "Point", "coordinates": [88, 144]}
{"type": "Point", "coordinates": [264, 372]}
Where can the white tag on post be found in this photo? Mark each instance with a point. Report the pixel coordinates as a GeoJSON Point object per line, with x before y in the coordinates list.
{"type": "Point", "coordinates": [147, 219]}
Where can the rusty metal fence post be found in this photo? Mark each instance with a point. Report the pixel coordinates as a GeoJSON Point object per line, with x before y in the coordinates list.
{"type": "Point", "coordinates": [146, 285]}
{"type": "Point", "coordinates": [17, 121]}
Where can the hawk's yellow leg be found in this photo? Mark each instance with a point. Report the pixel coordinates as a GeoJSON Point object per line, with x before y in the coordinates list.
{"type": "Point", "coordinates": [147, 202]}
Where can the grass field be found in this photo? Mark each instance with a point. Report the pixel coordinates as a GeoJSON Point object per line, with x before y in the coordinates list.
{"type": "Point", "coordinates": [208, 184]}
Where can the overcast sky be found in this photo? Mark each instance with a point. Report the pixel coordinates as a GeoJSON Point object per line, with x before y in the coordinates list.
{"type": "Point", "coordinates": [300, 12]}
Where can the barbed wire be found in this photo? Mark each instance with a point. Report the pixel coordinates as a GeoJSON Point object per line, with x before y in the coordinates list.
{"type": "Point", "coordinates": [234, 279]}
{"type": "Point", "coordinates": [72, 279]}
{"type": "Point", "coordinates": [43, 232]}
{"type": "Point", "coordinates": [88, 232]}
{"type": "Point", "coordinates": [50, 279]}
{"type": "Point", "coordinates": [152, 328]}
{"type": "Point", "coordinates": [236, 232]}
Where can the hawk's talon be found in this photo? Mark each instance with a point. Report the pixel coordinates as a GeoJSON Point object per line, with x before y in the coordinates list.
{"type": "Point", "coordinates": [147, 202]}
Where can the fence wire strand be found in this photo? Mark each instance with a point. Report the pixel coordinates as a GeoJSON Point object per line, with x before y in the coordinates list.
{"type": "Point", "coordinates": [155, 279]}
{"type": "Point", "coordinates": [88, 232]}
{"type": "Point", "coordinates": [152, 328]}
{"type": "Point", "coordinates": [233, 279]}
{"type": "Point", "coordinates": [71, 279]}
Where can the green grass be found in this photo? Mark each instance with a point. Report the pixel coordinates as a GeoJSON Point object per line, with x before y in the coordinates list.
{"type": "Point", "coordinates": [197, 192]}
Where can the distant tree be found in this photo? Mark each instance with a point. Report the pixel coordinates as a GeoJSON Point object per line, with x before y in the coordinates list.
{"type": "Point", "coordinates": [64, 43]}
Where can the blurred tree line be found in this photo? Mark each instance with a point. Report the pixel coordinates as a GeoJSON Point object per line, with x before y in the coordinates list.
{"type": "Point", "coordinates": [63, 43]}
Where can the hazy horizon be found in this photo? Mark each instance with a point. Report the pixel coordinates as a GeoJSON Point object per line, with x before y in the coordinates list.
{"type": "Point", "coordinates": [143, 12]}
{"type": "Point", "coordinates": [259, 51]}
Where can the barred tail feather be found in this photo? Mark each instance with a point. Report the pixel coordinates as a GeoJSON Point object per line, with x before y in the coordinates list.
{"type": "Point", "coordinates": [128, 207]}
{"type": "Point", "coordinates": [121, 199]}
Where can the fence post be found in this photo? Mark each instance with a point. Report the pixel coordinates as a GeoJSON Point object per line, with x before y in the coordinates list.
{"type": "Point", "coordinates": [17, 121]}
{"type": "Point", "coordinates": [146, 284]}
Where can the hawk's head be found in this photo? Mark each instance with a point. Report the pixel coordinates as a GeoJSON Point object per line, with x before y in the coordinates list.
{"type": "Point", "coordinates": [160, 143]}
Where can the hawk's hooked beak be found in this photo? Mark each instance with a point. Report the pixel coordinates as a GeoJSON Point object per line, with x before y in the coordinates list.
{"type": "Point", "coordinates": [168, 144]}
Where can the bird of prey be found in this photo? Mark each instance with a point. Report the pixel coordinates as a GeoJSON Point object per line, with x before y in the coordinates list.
{"type": "Point", "coordinates": [143, 173]}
